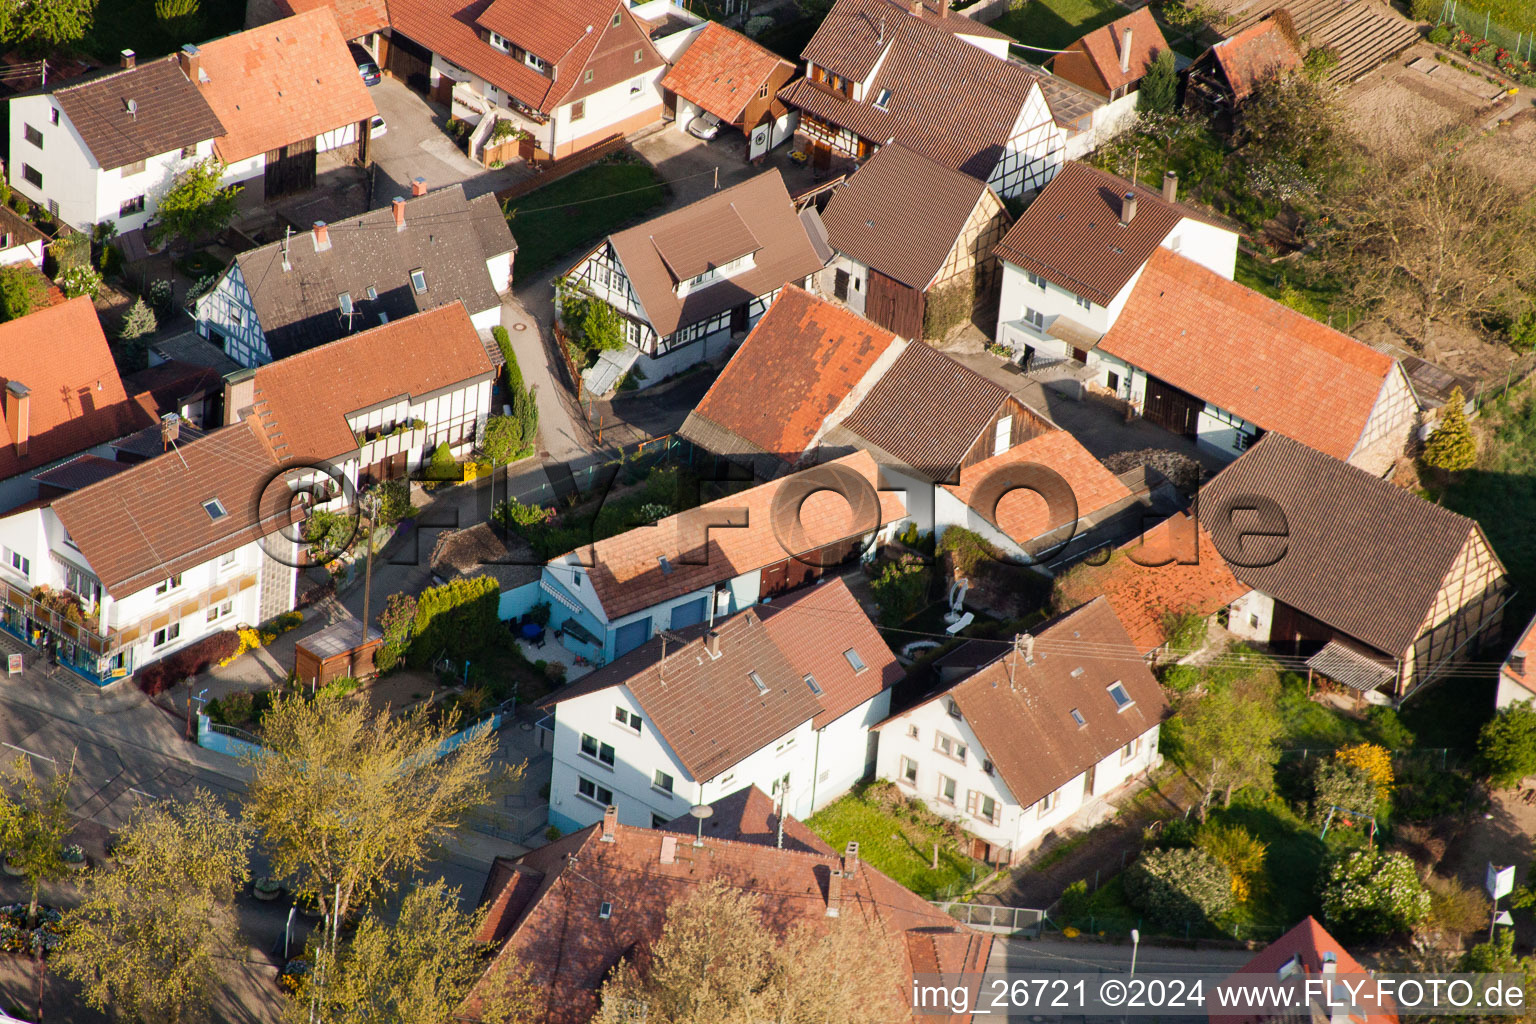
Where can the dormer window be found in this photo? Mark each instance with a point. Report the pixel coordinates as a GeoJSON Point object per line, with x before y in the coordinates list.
{"type": "Point", "coordinates": [536, 63]}
{"type": "Point", "coordinates": [1289, 968]}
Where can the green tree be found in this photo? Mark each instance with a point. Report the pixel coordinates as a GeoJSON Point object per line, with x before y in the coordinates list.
{"type": "Point", "coordinates": [457, 617]}
{"type": "Point", "coordinates": [525, 410]}
{"type": "Point", "coordinates": [442, 465]}
{"type": "Point", "coordinates": [503, 439]}
{"type": "Point", "coordinates": [177, 12]}
{"type": "Point", "coordinates": [1229, 737]}
{"type": "Point", "coordinates": [146, 939]}
{"type": "Point", "coordinates": [396, 623]}
{"type": "Point", "coordinates": [601, 327]}
{"type": "Point", "coordinates": [72, 249]}
{"type": "Point", "coordinates": [21, 289]}
{"type": "Point", "coordinates": [1452, 447]}
{"type": "Point", "coordinates": [1236, 849]}
{"type": "Point", "coordinates": [1336, 784]}
{"type": "Point", "coordinates": [1507, 744]}
{"type": "Point", "coordinates": [348, 800]}
{"type": "Point", "coordinates": [197, 205]}
{"type": "Point", "coordinates": [417, 970]}
{"type": "Point", "coordinates": [1369, 894]}
{"type": "Point", "coordinates": [1179, 887]}
{"type": "Point", "coordinates": [45, 25]}
{"type": "Point", "coordinates": [34, 822]}
{"type": "Point", "coordinates": [1159, 88]}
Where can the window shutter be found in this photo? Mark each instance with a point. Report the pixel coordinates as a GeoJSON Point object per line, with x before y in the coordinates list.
{"type": "Point", "coordinates": [972, 798]}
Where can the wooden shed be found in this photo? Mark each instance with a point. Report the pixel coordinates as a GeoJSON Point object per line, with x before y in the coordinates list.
{"type": "Point", "coordinates": [337, 651]}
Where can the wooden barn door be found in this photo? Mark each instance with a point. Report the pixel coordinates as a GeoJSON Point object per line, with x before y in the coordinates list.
{"type": "Point", "coordinates": [291, 169]}
{"type": "Point", "coordinates": [894, 306]}
{"type": "Point", "coordinates": [1172, 409]}
{"type": "Point", "coordinates": [410, 62]}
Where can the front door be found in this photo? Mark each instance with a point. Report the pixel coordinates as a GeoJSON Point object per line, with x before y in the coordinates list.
{"type": "Point", "coordinates": [821, 156]}
{"type": "Point", "coordinates": [840, 285]}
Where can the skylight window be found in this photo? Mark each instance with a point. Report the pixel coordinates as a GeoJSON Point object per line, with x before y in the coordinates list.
{"type": "Point", "coordinates": [757, 681]}
{"type": "Point", "coordinates": [605, 911]}
{"type": "Point", "coordinates": [854, 660]}
{"type": "Point", "coordinates": [1077, 716]}
{"type": "Point", "coordinates": [344, 302]}
{"type": "Point", "coordinates": [215, 508]}
{"type": "Point", "coordinates": [813, 684]}
{"type": "Point", "coordinates": [1121, 698]}
{"type": "Point", "coordinates": [884, 99]}
{"type": "Point", "coordinates": [373, 292]}
{"type": "Point", "coordinates": [419, 280]}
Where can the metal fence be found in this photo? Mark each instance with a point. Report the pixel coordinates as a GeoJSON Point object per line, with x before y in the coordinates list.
{"type": "Point", "coordinates": [992, 918]}
{"type": "Point", "coordinates": [1480, 25]}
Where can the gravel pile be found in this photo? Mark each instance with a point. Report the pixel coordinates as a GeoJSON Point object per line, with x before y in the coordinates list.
{"type": "Point", "coordinates": [1181, 470]}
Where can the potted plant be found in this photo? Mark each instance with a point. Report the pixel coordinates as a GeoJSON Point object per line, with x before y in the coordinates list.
{"type": "Point", "coordinates": [74, 857]}
{"type": "Point", "coordinates": [267, 888]}
{"type": "Point", "coordinates": [11, 868]}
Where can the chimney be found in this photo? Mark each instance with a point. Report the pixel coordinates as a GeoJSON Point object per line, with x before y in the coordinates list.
{"type": "Point", "coordinates": [239, 395]}
{"type": "Point", "coordinates": [1027, 648]}
{"type": "Point", "coordinates": [917, 8]}
{"type": "Point", "coordinates": [1125, 51]}
{"type": "Point", "coordinates": [610, 823]}
{"type": "Point", "coordinates": [418, 186]}
{"type": "Point", "coordinates": [170, 430]}
{"type": "Point", "coordinates": [1127, 208]}
{"type": "Point", "coordinates": [669, 849]}
{"type": "Point", "coordinates": [1171, 186]}
{"type": "Point", "coordinates": [944, 7]}
{"type": "Point", "coordinates": [127, 59]}
{"type": "Point", "coordinates": [834, 893]}
{"type": "Point", "coordinates": [18, 413]}
{"type": "Point", "coordinates": [712, 644]}
{"type": "Point", "coordinates": [851, 859]}
{"type": "Point", "coordinates": [322, 235]}
{"type": "Point", "coordinates": [397, 206]}
{"type": "Point", "coordinates": [191, 59]}
{"type": "Point", "coordinates": [1517, 662]}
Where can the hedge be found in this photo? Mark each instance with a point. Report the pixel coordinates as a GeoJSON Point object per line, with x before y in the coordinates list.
{"type": "Point", "coordinates": [457, 617]}
{"type": "Point", "coordinates": [1179, 888]}
{"type": "Point", "coordinates": [194, 659]}
{"type": "Point", "coordinates": [514, 373]}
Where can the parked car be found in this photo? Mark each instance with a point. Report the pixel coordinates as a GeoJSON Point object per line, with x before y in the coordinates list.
{"type": "Point", "coordinates": [365, 65]}
{"type": "Point", "coordinates": [705, 126]}
{"type": "Point", "coordinates": [377, 127]}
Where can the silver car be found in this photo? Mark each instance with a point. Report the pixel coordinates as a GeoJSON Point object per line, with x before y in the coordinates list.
{"type": "Point", "coordinates": [705, 126]}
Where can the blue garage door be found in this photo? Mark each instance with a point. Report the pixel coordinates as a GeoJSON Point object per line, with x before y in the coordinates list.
{"type": "Point", "coordinates": [631, 635]}
{"type": "Point", "coordinates": [689, 614]}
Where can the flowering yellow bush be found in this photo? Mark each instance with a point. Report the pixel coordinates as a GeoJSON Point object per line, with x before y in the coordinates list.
{"type": "Point", "coordinates": [1070, 933]}
{"type": "Point", "coordinates": [1375, 761]}
{"type": "Point", "coordinates": [250, 639]}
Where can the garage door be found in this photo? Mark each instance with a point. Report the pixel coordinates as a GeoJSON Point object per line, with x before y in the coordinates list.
{"type": "Point", "coordinates": [689, 614]}
{"type": "Point", "coordinates": [631, 635]}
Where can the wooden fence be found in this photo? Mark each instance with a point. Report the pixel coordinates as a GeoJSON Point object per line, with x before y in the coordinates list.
{"type": "Point", "coordinates": [552, 172]}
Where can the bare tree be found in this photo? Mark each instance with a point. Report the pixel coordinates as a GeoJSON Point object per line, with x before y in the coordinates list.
{"type": "Point", "coordinates": [1440, 240]}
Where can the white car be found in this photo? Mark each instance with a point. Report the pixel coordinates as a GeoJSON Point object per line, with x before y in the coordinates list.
{"type": "Point", "coordinates": [377, 127]}
{"type": "Point", "coordinates": [705, 126]}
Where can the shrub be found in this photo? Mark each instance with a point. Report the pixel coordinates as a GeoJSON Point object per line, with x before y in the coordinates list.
{"type": "Point", "coordinates": [1375, 761]}
{"type": "Point", "coordinates": [1186, 631]}
{"type": "Point", "coordinates": [138, 322]}
{"type": "Point", "coordinates": [901, 590]}
{"type": "Point", "coordinates": [21, 289]}
{"type": "Point", "coordinates": [948, 307]}
{"type": "Point", "coordinates": [394, 497]}
{"type": "Point", "coordinates": [1075, 901]}
{"type": "Point", "coordinates": [1181, 678]}
{"type": "Point", "coordinates": [194, 659]}
{"type": "Point", "coordinates": [1180, 887]}
{"type": "Point", "coordinates": [1338, 784]}
{"type": "Point", "coordinates": [1425, 10]}
{"type": "Point", "coordinates": [508, 358]}
{"type": "Point", "coordinates": [329, 534]}
{"type": "Point", "coordinates": [1452, 447]}
{"type": "Point", "coordinates": [396, 623]}
{"type": "Point", "coordinates": [1368, 894]}
{"type": "Point", "coordinates": [504, 440]}
{"type": "Point", "coordinates": [282, 622]}
{"type": "Point", "coordinates": [1390, 730]}
{"type": "Point", "coordinates": [442, 465]}
{"type": "Point", "coordinates": [71, 250]}
{"type": "Point", "coordinates": [1507, 744]}
{"type": "Point", "coordinates": [1454, 908]}
{"type": "Point", "coordinates": [602, 329]}
{"type": "Point", "coordinates": [967, 549]}
{"type": "Point", "coordinates": [1440, 35]}
{"type": "Point", "coordinates": [79, 280]}
{"type": "Point", "coordinates": [516, 516]}
{"type": "Point", "coordinates": [457, 617]}
{"type": "Point", "coordinates": [162, 297]}
{"type": "Point", "coordinates": [1235, 849]}
{"type": "Point", "coordinates": [1159, 87]}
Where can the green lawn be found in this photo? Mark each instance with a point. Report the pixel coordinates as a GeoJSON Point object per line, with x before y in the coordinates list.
{"type": "Point", "coordinates": [1514, 15]}
{"type": "Point", "coordinates": [901, 846]}
{"type": "Point", "coordinates": [1052, 24]}
{"type": "Point", "coordinates": [132, 25]}
{"type": "Point", "coordinates": [1291, 864]}
{"type": "Point", "coordinates": [567, 215]}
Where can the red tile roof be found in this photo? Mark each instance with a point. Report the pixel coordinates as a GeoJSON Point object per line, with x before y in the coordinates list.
{"type": "Point", "coordinates": [1307, 943]}
{"type": "Point", "coordinates": [1076, 659]}
{"type": "Point", "coordinates": [722, 71]}
{"type": "Point", "coordinates": [1172, 569]}
{"type": "Point", "coordinates": [1103, 46]}
{"type": "Point", "coordinates": [301, 402]}
{"type": "Point", "coordinates": [281, 83]}
{"type": "Point", "coordinates": [801, 360]}
{"type": "Point", "coordinates": [751, 816]}
{"type": "Point", "coordinates": [571, 949]}
{"type": "Point", "coordinates": [1266, 363]}
{"type": "Point", "coordinates": [77, 400]}
{"type": "Point", "coordinates": [742, 535]}
{"type": "Point", "coordinates": [1525, 647]}
{"type": "Point", "coordinates": [1022, 514]}
{"type": "Point", "coordinates": [1258, 52]}
{"type": "Point", "coordinates": [357, 18]}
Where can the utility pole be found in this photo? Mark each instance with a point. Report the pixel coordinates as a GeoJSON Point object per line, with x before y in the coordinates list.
{"type": "Point", "coordinates": [370, 503]}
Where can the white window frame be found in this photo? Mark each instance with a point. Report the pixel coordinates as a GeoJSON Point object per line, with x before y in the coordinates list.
{"type": "Point", "coordinates": [954, 788]}
{"type": "Point", "coordinates": [166, 586]}
{"type": "Point", "coordinates": [600, 748]}
{"type": "Point", "coordinates": [628, 719]}
{"type": "Point", "coordinates": [909, 769]}
{"type": "Point", "coordinates": [597, 791]}
{"type": "Point", "coordinates": [166, 635]}
{"type": "Point", "coordinates": [1034, 318]}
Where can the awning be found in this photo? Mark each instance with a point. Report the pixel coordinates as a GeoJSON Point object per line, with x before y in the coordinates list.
{"type": "Point", "coordinates": [575, 630]}
{"type": "Point", "coordinates": [1064, 328]}
{"type": "Point", "coordinates": [1352, 666]}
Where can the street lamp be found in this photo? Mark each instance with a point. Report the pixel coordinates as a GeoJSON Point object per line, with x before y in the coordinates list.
{"type": "Point", "coordinates": [1135, 945]}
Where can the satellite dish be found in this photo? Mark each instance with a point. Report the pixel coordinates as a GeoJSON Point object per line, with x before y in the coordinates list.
{"type": "Point", "coordinates": [700, 812]}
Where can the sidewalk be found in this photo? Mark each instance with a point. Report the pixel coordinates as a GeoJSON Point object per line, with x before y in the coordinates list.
{"type": "Point", "coordinates": [563, 434]}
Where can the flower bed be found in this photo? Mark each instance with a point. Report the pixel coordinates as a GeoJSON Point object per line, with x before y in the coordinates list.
{"type": "Point", "coordinates": [1488, 52]}
{"type": "Point", "coordinates": [17, 938]}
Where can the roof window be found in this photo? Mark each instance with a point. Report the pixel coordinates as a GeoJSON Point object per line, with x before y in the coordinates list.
{"type": "Point", "coordinates": [757, 681]}
{"type": "Point", "coordinates": [1077, 716]}
{"type": "Point", "coordinates": [884, 99]}
{"type": "Point", "coordinates": [344, 303]}
{"type": "Point", "coordinates": [419, 280]}
{"type": "Point", "coordinates": [373, 292]}
{"type": "Point", "coordinates": [605, 911]}
{"type": "Point", "coordinates": [215, 509]}
{"type": "Point", "coordinates": [810, 681]}
{"type": "Point", "coordinates": [854, 660]}
{"type": "Point", "coordinates": [1121, 698]}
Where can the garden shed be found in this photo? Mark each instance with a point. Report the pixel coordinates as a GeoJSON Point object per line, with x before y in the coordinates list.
{"type": "Point", "coordinates": [337, 651]}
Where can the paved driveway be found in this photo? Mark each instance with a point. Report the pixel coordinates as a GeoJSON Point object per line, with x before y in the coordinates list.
{"type": "Point", "coordinates": [415, 145]}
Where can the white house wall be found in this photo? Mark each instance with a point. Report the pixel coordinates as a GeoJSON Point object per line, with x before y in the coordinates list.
{"type": "Point", "coordinates": [1206, 244]}
{"type": "Point", "coordinates": [227, 310]}
{"type": "Point", "coordinates": [607, 108]}
{"type": "Point", "coordinates": [1034, 152]}
{"type": "Point", "coordinates": [1252, 616]}
{"type": "Point", "coordinates": [844, 751]}
{"type": "Point", "coordinates": [500, 269]}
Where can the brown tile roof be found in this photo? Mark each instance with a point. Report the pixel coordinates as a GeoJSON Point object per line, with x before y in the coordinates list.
{"type": "Point", "coordinates": [722, 71]}
{"type": "Point", "coordinates": [80, 471]}
{"type": "Point", "coordinates": [853, 43]}
{"type": "Point", "coordinates": [925, 69]}
{"type": "Point", "coordinates": [1071, 234]}
{"type": "Point", "coordinates": [801, 360]}
{"type": "Point", "coordinates": [869, 217]}
{"type": "Point", "coordinates": [1077, 657]}
{"type": "Point", "coordinates": [927, 410]}
{"type": "Point", "coordinates": [1247, 354]}
{"type": "Point", "coordinates": [173, 382]}
{"type": "Point", "coordinates": [283, 82]}
{"type": "Point", "coordinates": [170, 113]}
{"type": "Point", "coordinates": [1525, 647]}
{"type": "Point", "coordinates": [20, 230]}
{"type": "Point", "coordinates": [814, 628]}
{"type": "Point", "coordinates": [761, 205]}
{"type": "Point", "coordinates": [751, 816]}
{"type": "Point", "coordinates": [1022, 514]}
{"type": "Point", "coordinates": [301, 403]}
{"type": "Point", "coordinates": [148, 523]}
{"type": "Point", "coordinates": [1362, 556]}
{"type": "Point", "coordinates": [1103, 45]}
{"type": "Point", "coordinates": [1307, 942]}
{"type": "Point", "coordinates": [571, 950]}
{"type": "Point", "coordinates": [356, 18]}
{"type": "Point", "coordinates": [77, 400]}
{"type": "Point", "coordinates": [626, 571]}
{"type": "Point", "coordinates": [688, 252]}
{"type": "Point", "coordinates": [1258, 52]}
{"type": "Point", "coordinates": [1172, 569]}
{"type": "Point", "coordinates": [451, 237]}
